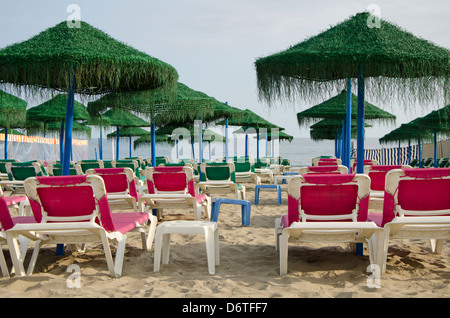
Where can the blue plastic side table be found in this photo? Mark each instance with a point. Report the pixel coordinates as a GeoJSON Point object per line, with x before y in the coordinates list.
{"type": "Point", "coordinates": [267, 186]}
{"type": "Point", "coordinates": [245, 206]}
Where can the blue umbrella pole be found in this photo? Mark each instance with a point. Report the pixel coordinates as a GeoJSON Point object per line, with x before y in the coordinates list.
{"type": "Point", "coordinates": [67, 139]}
{"type": "Point", "coordinates": [61, 141]}
{"type": "Point", "coordinates": [130, 147]}
{"type": "Point", "coordinates": [257, 143]}
{"type": "Point", "coordinates": [348, 125]}
{"type": "Point", "coordinates": [69, 125]}
{"type": "Point", "coordinates": [6, 143]}
{"type": "Point", "coordinates": [246, 141]}
{"type": "Point", "coordinates": [420, 153]}
{"type": "Point", "coordinates": [360, 121]}
{"type": "Point", "coordinates": [153, 145]}
{"type": "Point", "coordinates": [360, 134]}
{"type": "Point", "coordinates": [117, 142]}
{"type": "Point", "coordinates": [435, 149]}
{"type": "Point", "coordinates": [100, 146]}
{"type": "Point", "coordinates": [226, 139]}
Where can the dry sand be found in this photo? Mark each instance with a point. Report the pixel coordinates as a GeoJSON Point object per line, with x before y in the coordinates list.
{"type": "Point", "coordinates": [249, 266]}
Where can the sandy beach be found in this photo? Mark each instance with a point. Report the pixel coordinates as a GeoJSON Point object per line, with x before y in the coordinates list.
{"type": "Point", "coordinates": [249, 266]}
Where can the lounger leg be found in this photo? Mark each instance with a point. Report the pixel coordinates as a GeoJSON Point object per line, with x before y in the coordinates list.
{"type": "Point", "coordinates": [210, 253]}
{"type": "Point", "coordinates": [3, 265]}
{"type": "Point", "coordinates": [14, 251]}
{"type": "Point", "coordinates": [151, 231]}
{"type": "Point", "coordinates": [120, 252]}
{"type": "Point", "coordinates": [217, 251]}
{"type": "Point", "coordinates": [277, 233]}
{"type": "Point", "coordinates": [108, 255]}
{"type": "Point", "coordinates": [165, 248]}
{"type": "Point", "coordinates": [284, 253]}
{"type": "Point", "coordinates": [437, 245]}
{"type": "Point", "coordinates": [34, 256]}
{"type": "Point", "coordinates": [157, 252]}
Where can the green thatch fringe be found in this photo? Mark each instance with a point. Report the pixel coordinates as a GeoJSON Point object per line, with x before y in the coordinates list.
{"type": "Point", "coordinates": [145, 141]}
{"type": "Point", "coordinates": [335, 108]}
{"type": "Point", "coordinates": [127, 132]}
{"type": "Point", "coordinates": [100, 63]}
{"type": "Point", "coordinates": [397, 65]}
{"type": "Point", "coordinates": [12, 111]}
{"type": "Point", "coordinates": [160, 105]}
{"type": "Point", "coordinates": [55, 110]}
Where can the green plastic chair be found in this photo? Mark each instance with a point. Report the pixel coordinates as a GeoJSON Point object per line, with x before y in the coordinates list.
{"type": "Point", "coordinates": [245, 172]}
{"type": "Point", "coordinates": [85, 165]}
{"type": "Point", "coordinates": [18, 172]}
{"type": "Point", "coordinates": [220, 178]}
{"type": "Point", "coordinates": [57, 169]}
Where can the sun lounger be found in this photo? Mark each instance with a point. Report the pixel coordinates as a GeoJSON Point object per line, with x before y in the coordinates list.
{"type": "Point", "coordinates": [328, 208]}
{"type": "Point", "coordinates": [220, 178]}
{"type": "Point", "coordinates": [75, 210]}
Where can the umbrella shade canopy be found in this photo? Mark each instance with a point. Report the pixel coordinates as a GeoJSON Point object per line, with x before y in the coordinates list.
{"type": "Point", "coordinates": [123, 118]}
{"type": "Point", "coordinates": [406, 132]}
{"type": "Point", "coordinates": [146, 140]}
{"type": "Point", "coordinates": [13, 111]}
{"type": "Point", "coordinates": [333, 124]}
{"type": "Point", "coordinates": [55, 110]}
{"type": "Point", "coordinates": [251, 119]}
{"type": "Point", "coordinates": [412, 67]}
{"type": "Point", "coordinates": [335, 108]}
{"type": "Point", "coordinates": [12, 132]}
{"type": "Point", "coordinates": [99, 63]}
{"type": "Point", "coordinates": [437, 120]}
{"type": "Point", "coordinates": [280, 136]}
{"type": "Point", "coordinates": [159, 103]}
{"type": "Point", "coordinates": [129, 132]}
{"type": "Point", "coordinates": [79, 128]}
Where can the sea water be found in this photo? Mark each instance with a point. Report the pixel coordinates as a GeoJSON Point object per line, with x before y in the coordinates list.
{"type": "Point", "coordinates": [300, 151]}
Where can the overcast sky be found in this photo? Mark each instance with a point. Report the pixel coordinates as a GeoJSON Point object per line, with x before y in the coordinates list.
{"type": "Point", "coordinates": [213, 44]}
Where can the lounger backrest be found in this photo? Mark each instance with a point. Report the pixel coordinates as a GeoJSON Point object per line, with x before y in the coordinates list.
{"type": "Point", "coordinates": [22, 170]}
{"type": "Point", "coordinates": [90, 164]}
{"type": "Point", "coordinates": [262, 163]}
{"type": "Point", "coordinates": [57, 169]}
{"type": "Point", "coordinates": [69, 199]}
{"type": "Point", "coordinates": [6, 221]}
{"type": "Point", "coordinates": [3, 164]}
{"type": "Point", "coordinates": [377, 174]}
{"type": "Point", "coordinates": [328, 197]}
{"type": "Point", "coordinates": [244, 165]}
{"type": "Point", "coordinates": [324, 169]}
{"type": "Point", "coordinates": [367, 162]}
{"type": "Point", "coordinates": [170, 180]}
{"type": "Point", "coordinates": [218, 171]}
{"type": "Point", "coordinates": [416, 192]}
{"type": "Point", "coordinates": [117, 180]}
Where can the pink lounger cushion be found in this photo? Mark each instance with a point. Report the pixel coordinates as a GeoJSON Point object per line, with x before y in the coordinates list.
{"type": "Point", "coordinates": [427, 191]}
{"type": "Point", "coordinates": [125, 222]}
{"type": "Point", "coordinates": [14, 199]}
{"type": "Point", "coordinates": [329, 200]}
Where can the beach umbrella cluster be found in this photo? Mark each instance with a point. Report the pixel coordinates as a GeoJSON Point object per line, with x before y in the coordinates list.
{"type": "Point", "coordinates": [387, 62]}
{"type": "Point", "coordinates": [82, 60]}
{"type": "Point", "coordinates": [12, 114]}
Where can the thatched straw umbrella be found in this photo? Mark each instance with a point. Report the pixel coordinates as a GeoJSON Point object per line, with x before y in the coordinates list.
{"type": "Point", "coordinates": [187, 104]}
{"type": "Point", "coordinates": [251, 122]}
{"type": "Point", "coordinates": [122, 118]}
{"type": "Point", "coordinates": [81, 60]}
{"type": "Point", "coordinates": [129, 132]}
{"type": "Point", "coordinates": [438, 121]}
{"type": "Point", "coordinates": [12, 114]}
{"type": "Point", "coordinates": [54, 110]}
{"type": "Point", "coordinates": [388, 62]}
